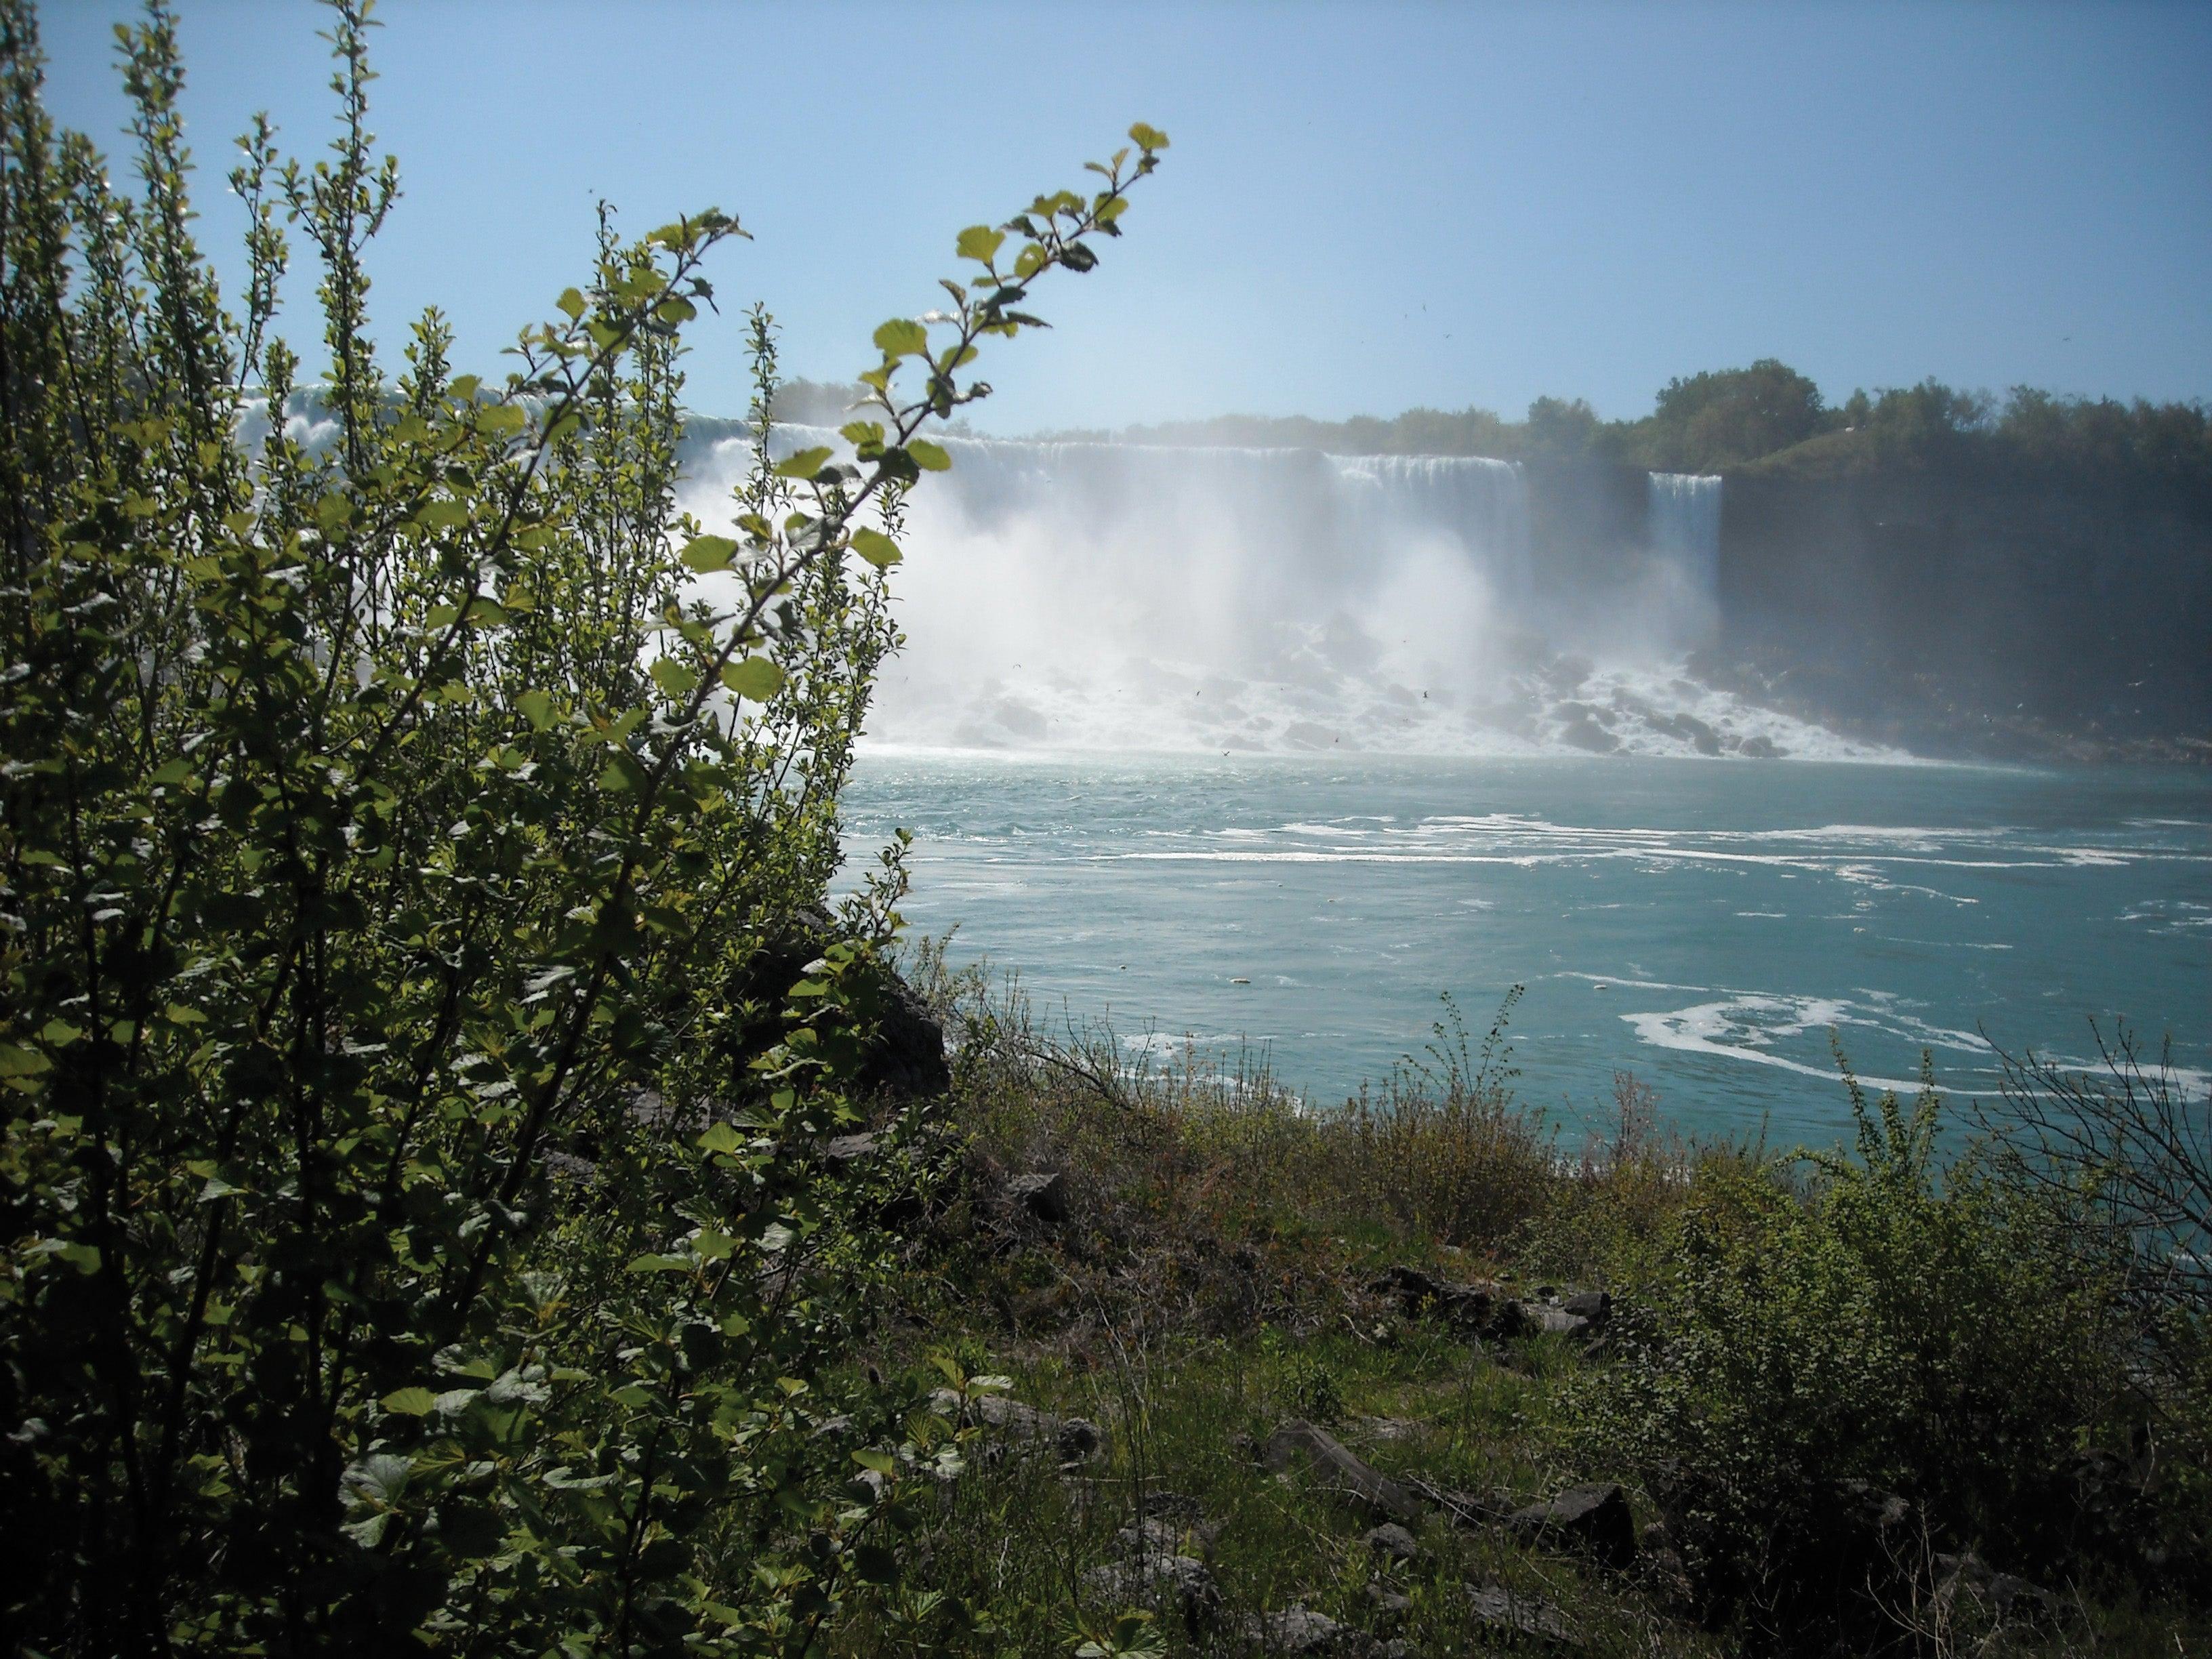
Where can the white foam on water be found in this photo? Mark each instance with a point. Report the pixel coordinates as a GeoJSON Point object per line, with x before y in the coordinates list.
{"type": "Point", "coordinates": [1743, 1026]}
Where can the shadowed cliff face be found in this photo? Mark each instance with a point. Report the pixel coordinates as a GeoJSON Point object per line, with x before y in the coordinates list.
{"type": "Point", "coordinates": [1990, 612]}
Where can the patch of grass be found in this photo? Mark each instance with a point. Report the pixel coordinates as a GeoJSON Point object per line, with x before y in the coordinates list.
{"type": "Point", "coordinates": [1211, 1279]}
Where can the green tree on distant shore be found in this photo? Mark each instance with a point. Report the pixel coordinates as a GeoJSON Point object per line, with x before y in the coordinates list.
{"type": "Point", "coordinates": [1716, 419]}
{"type": "Point", "coordinates": [415, 1235]}
{"type": "Point", "coordinates": [1724, 419]}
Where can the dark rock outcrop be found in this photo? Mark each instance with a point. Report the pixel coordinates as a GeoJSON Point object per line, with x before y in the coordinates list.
{"type": "Point", "coordinates": [1592, 1520]}
{"type": "Point", "coordinates": [1072, 1439]}
{"type": "Point", "coordinates": [1595, 1306]}
{"type": "Point", "coordinates": [1478, 1309]}
{"type": "Point", "coordinates": [905, 1058]}
{"type": "Point", "coordinates": [1393, 1541]}
{"type": "Point", "coordinates": [1967, 1580]}
{"type": "Point", "coordinates": [1333, 1468]}
{"type": "Point", "coordinates": [1042, 1197]}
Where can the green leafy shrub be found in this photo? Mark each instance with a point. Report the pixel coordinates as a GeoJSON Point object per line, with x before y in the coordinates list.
{"type": "Point", "coordinates": [1894, 1329]}
{"type": "Point", "coordinates": [415, 1233]}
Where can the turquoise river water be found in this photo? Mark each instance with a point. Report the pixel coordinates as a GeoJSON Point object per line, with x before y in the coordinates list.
{"type": "Point", "coordinates": [1707, 925]}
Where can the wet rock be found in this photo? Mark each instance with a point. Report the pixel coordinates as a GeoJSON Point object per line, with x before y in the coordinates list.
{"type": "Point", "coordinates": [1334, 1468]}
{"type": "Point", "coordinates": [1593, 1520]}
{"type": "Point", "coordinates": [1499, 1609]}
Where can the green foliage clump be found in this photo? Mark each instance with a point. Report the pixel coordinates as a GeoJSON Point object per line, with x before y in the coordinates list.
{"type": "Point", "coordinates": [1770, 417]}
{"type": "Point", "coordinates": [1724, 418]}
{"type": "Point", "coordinates": [1897, 1327]}
{"type": "Point", "coordinates": [414, 1231]}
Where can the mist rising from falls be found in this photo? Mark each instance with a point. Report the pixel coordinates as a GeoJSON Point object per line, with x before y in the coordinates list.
{"type": "Point", "coordinates": [1092, 595]}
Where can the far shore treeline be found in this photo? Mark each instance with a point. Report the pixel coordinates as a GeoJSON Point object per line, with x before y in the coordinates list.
{"type": "Point", "coordinates": [1767, 419]}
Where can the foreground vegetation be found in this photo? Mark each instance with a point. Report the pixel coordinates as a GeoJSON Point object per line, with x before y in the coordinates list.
{"type": "Point", "coordinates": [1867, 1400]}
{"type": "Point", "coordinates": [416, 1008]}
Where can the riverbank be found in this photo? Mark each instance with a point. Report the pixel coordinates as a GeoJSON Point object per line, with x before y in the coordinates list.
{"type": "Point", "coordinates": [1426, 1376]}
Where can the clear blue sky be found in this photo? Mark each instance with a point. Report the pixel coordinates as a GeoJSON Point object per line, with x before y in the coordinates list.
{"type": "Point", "coordinates": [1367, 207]}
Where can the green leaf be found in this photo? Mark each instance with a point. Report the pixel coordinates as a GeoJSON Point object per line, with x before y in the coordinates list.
{"type": "Point", "coordinates": [1145, 138]}
{"type": "Point", "coordinates": [674, 678]}
{"type": "Point", "coordinates": [980, 243]}
{"type": "Point", "coordinates": [571, 303]}
{"type": "Point", "coordinates": [661, 1264]}
{"type": "Point", "coordinates": [621, 773]}
{"type": "Point", "coordinates": [928, 456]}
{"type": "Point", "coordinates": [85, 1258]}
{"type": "Point", "coordinates": [756, 678]}
{"type": "Point", "coordinates": [871, 1457]}
{"type": "Point", "coordinates": [878, 549]}
{"type": "Point", "coordinates": [721, 1138]}
{"type": "Point", "coordinates": [901, 336]}
{"type": "Point", "coordinates": [409, 1402]}
{"type": "Point", "coordinates": [708, 554]}
{"type": "Point", "coordinates": [804, 464]}
{"type": "Point", "coordinates": [537, 708]}
{"type": "Point", "coordinates": [18, 1062]}
{"type": "Point", "coordinates": [874, 1564]}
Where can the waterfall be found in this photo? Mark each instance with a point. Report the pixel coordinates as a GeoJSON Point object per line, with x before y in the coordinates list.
{"type": "Point", "coordinates": [1100, 595]}
{"type": "Point", "coordinates": [1683, 522]}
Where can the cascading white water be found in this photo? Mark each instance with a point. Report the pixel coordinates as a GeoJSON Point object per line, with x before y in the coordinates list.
{"type": "Point", "coordinates": [1215, 599]}
{"type": "Point", "coordinates": [1682, 520]}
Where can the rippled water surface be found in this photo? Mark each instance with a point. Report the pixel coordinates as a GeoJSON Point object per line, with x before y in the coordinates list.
{"type": "Point", "coordinates": [1706, 925]}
